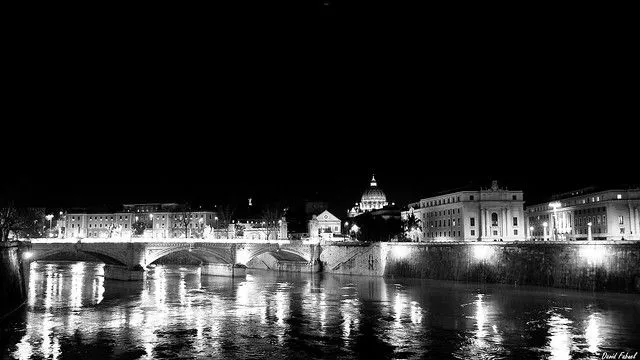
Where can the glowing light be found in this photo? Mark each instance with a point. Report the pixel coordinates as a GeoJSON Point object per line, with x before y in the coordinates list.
{"type": "Point", "coordinates": [481, 317]}
{"type": "Point", "coordinates": [545, 224]}
{"type": "Point", "coordinates": [400, 251]}
{"type": "Point", "coordinates": [560, 337]}
{"type": "Point", "coordinates": [482, 252]}
{"type": "Point", "coordinates": [594, 254]}
{"type": "Point", "coordinates": [27, 255]}
{"type": "Point", "coordinates": [592, 333]}
{"type": "Point", "coordinates": [555, 205]}
{"type": "Point", "coordinates": [243, 256]}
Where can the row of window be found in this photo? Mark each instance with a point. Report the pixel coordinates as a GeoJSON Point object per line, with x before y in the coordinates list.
{"type": "Point", "coordinates": [587, 200]}
{"type": "Point", "coordinates": [494, 220]}
{"type": "Point", "coordinates": [472, 232]}
{"type": "Point", "coordinates": [175, 217]}
{"type": "Point", "coordinates": [443, 212]}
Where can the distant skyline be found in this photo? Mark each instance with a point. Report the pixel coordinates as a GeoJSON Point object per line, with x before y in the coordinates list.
{"type": "Point", "coordinates": [341, 188]}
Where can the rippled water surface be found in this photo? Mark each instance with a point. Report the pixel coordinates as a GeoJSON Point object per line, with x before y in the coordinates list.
{"type": "Point", "coordinates": [73, 312]}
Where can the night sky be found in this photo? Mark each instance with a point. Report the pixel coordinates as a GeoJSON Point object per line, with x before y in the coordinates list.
{"type": "Point", "coordinates": [295, 102]}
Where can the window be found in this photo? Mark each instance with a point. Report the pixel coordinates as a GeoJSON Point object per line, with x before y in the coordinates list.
{"type": "Point", "coordinates": [621, 230]}
{"type": "Point", "coordinates": [473, 232]}
{"type": "Point", "coordinates": [494, 219]}
{"type": "Point", "coordinates": [514, 197]}
{"type": "Point", "coordinates": [472, 222]}
{"type": "Point", "coordinates": [471, 197]}
{"type": "Point", "coordinates": [621, 220]}
{"type": "Point", "coordinates": [515, 231]}
{"type": "Point", "coordinates": [515, 221]}
{"type": "Point", "coordinates": [495, 232]}
{"type": "Point", "coordinates": [619, 196]}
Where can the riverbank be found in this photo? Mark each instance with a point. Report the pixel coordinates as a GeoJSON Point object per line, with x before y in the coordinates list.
{"type": "Point", "coordinates": [14, 278]}
{"type": "Point", "coordinates": [591, 266]}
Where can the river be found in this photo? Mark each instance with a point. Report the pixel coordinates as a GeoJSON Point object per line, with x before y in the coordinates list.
{"type": "Point", "coordinates": [73, 312]}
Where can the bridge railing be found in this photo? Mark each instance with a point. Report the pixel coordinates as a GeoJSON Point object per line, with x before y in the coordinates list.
{"type": "Point", "coordinates": [163, 240]}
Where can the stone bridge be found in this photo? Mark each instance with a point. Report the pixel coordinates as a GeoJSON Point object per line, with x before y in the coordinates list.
{"type": "Point", "coordinates": [126, 259]}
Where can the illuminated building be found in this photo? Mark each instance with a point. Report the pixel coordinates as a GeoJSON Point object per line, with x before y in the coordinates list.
{"type": "Point", "coordinates": [471, 215]}
{"type": "Point", "coordinates": [373, 198]}
{"type": "Point", "coordinates": [156, 223]}
{"type": "Point", "coordinates": [258, 229]}
{"type": "Point", "coordinates": [578, 215]}
{"type": "Point", "coordinates": [323, 224]}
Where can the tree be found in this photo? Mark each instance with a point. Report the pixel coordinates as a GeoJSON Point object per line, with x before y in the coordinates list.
{"type": "Point", "coordinates": [271, 220]}
{"type": "Point", "coordinates": [23, 222]}
{"type": "Point", "coordinates": [411, 225]}
{"type": "Point", "coordinates": [8, 221]}
{"type": "Point", "coordinates": [225, 217]}
{"type": "Point", "coordinates": [183, 217]}
{"type": "Point", "coordinates": [138, 227]}
{"type": "Point", "coordinates": [376, 228]}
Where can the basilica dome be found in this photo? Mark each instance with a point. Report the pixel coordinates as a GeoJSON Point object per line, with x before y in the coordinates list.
{"type": "Point", "coordinates": [373, 198]}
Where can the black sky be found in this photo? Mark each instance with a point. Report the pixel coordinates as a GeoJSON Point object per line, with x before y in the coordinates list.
{"type": "Point", "coordinates": [306, 100]}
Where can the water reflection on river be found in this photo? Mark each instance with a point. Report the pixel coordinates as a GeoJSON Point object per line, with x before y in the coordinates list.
{"type": "Point", "coordinates": [74, 313]}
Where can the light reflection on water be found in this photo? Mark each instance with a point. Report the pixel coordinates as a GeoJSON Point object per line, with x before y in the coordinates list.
{"type": "Point", "coordinates": [176, 312]}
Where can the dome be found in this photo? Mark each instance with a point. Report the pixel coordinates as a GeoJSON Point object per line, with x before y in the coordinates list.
{"type": "Point", "coordinates": [373, 197]}
{"type": "Point", "coordinates": [373, 194]}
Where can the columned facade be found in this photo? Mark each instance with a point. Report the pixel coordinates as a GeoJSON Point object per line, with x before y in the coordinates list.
{"type": "Point", "coordinates": [613, 215]}
{"type": "Point", "coordinates": [492, 214]}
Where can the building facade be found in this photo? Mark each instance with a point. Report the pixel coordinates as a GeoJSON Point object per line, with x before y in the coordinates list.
{"type": "Point", "coordinates": [586, 214]}
{"type": "Point", "coordinates": [150, 223]}
{"type": "Point", "coordinates": [492, 214]}
{"type": "Point", "coordinates": [324, 223]}
{"type": "Point", "coordinates": [258, 229]}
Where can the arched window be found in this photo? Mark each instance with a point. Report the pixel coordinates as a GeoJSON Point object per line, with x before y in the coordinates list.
{"type": "Point", "coordinates": [494, 219]}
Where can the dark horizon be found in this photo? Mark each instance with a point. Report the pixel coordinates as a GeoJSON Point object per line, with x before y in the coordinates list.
{"type": "Point", "coordinates": [341, 187]}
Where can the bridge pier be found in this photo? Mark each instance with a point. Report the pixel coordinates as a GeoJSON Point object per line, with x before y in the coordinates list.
{"type": "Point", "coordinates": [124, 273]}
{"type": "Point", "coordinates": [223, 270]}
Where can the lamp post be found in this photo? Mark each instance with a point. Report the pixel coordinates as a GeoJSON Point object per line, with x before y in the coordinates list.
{"type": "Point", "coordinates": [555, 205]}
{"type": "Point", "coordinates": [589, 237]}
{"type": "Point", "coordinates": [544, 233]}
{"type": "Point", "coordinates": [355, 230]}
{"type": "Point", "coordinates": [49, 217]}
{"type": "Point", "coordinates": [153, 228]}
{"type": "Point", "coordinates": [215, 234]}
{"type": "Point", "coordinates": [346, 226]}
{"type": "Point", "coordinates": [531, 228]}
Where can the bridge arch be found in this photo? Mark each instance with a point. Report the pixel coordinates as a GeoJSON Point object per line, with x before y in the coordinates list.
{"type": "Point", "coordinates": [246, 255]}
{"type": "Point", "coordinates": [108, 259]}
{"type": "Point", "coordinates": [204, 254]}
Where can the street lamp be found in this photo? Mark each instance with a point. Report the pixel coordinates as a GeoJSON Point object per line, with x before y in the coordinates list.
{"type": "Point", "coordinates": [589, 237]}
{"type": "Point", "coordinates": [355, 230]}
{"type": "Point", "coordinates": [555, 205]}
{"type": "Point", "coordinates": [531, 232]}
{"type": "Point", "coordinates": [544, 233]}
{"type": "Point", "coordinates": [49, 217]}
